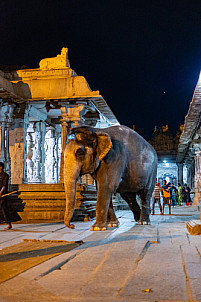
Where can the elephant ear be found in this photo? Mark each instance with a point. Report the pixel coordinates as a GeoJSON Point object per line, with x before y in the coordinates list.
{"type": "Point", "coordinates": [103, 146]}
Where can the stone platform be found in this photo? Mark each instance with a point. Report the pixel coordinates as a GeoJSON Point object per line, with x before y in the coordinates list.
{"type": "Point", "coordinates": [46, 203]}
{"type": "Point", "coordinates": [157, 262]}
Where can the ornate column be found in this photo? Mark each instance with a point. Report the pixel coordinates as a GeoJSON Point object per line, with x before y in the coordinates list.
{"type": "Point", "coordinates": [50, 156]}
{"type": "Point", "coordinates": [58, 150]}
{"type": "Point", "coordinates": [197, 180]}
{"type": "Point", "coordinates": [190, 168]}
{"type": "Point", "coordinates": [38, 157]}
{"type": "Point", "coordinates": [33, 153]}
{"type": "Point", "coordinates": [25, 150]}
{"type": "Point", "coordinates": [3, 158]}
{"type": "Point", "coordinates": [72, 116]}
{"type": "Point", "coordinates": [28, 159]}
{"type": "Point", "coordinates": [180, 173]}
{"type": "Point", "coordinates": [6, 120]}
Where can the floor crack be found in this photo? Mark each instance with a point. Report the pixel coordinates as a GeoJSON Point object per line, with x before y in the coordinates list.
{"type": "Point", "coordinates": [57, 267]}
{"type": "Point", "coordinates": [188, 239]}
{"type": "Point", "coordinates": [188, 287]}
{"type": "Point", "coordinates": [198, 251]}
{"type": "Point", "coordinates": [134, 267]}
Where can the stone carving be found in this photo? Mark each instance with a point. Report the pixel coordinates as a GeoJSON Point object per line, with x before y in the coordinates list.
{"type": "Point", "coordinates": [50, 157]}
{"type": "Point", "coordinates": [16, 153]}
{"type": "Point", "coordinates": [60, 61]}
{"type": "Point", "coordinates": [6, 113]}
{"type": "Point", "coordinates": [29, 162]}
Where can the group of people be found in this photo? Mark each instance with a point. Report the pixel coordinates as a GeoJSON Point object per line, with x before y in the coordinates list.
{"type": "Point", "coordinates": [170, 195]}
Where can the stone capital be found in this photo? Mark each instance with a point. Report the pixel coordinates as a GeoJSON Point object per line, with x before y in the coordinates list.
{"type": "Point", "coordinates": [73, 114]}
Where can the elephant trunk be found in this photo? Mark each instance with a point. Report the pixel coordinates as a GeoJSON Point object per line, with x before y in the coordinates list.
{"type": "Point", "coordinates": [70, 181]}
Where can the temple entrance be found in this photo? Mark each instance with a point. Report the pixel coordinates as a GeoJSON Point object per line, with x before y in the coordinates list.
{"type": "Point", "coordinates": [166, 144]}
{"type": "Point", "coordinates": [168, 172]}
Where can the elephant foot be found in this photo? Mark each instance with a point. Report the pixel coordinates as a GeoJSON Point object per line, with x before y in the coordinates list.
{"type": "Point", "coordinates": [70, 226]}
{"type": "Point", "coordinates": [143, 222]}
{"type": "Point", "coordinates": [97, 227]}
{"type": "Point", "coordinates": [113, 224]}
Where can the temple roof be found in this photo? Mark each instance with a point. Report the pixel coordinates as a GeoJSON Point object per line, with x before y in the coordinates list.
{"type": "Point", "coordinates": [54, 80]}
{"type": "Point", "coordinates": [191, 124]}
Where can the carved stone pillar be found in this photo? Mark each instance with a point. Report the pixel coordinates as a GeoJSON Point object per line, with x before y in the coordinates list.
{"type": "Point", "coordinates": [3, 158]}
{"type": "Point", "coordinates": [180, 173]}
{"type": "Point", "coordinates": [8, 163]}
{"type": "Point", "coordinates": [6, 120]}
{"type": "Point", "coordinates": [50, 156]}
{"type": "Point", "coordinates": [34, 138]}
{"type": "Point", "coordinates": [38, 157]}
{"type": "Point", "coordinates": [189, 174]}
{"type": "Point", "coordinates": [25, 150]}
{"type": "Point", "coordinates": [58, 150]}
{"type": "Point", "coordinates": [28, 164]}
{"type": "Point", "coordinates": [72, 116]}
{"type": "Point", "coordinates": [197, 180]}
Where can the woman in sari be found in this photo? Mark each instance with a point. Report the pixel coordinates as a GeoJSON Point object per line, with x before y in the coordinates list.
{"type": "Point", "coordinates": [180, 194]}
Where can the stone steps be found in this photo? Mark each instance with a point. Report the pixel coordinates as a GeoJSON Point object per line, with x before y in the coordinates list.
{"type": "Point", "coordinates": [46, 202]}
{"type": "Point", "coordinates": [41, 187]}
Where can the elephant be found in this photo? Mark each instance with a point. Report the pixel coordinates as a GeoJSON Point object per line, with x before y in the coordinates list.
{"type": "Point", "coordinates": [119, 160]}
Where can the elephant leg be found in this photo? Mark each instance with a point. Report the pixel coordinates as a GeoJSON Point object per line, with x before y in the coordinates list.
{"type": "Point", "coordinates": [112, 220]}
{"type": "Point", "coordinates": [130, 198]}
{"type": "Point", "coordinates": [102, 206]}
{"type": "Point", "coordinates": [145, 201]}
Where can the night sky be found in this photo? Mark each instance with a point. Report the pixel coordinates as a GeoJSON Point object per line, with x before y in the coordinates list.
{"type": "Point", "coordinates": [143, 56]}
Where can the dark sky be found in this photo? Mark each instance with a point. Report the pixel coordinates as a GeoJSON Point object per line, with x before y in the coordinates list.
{"type": "Point", "coordinates": [144, 56]}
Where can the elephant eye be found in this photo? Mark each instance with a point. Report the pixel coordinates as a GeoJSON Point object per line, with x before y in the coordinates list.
{"type": "Point", "coordinates": [80, 152]}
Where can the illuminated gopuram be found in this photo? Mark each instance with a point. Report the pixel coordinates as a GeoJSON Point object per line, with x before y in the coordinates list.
{"type": "Point", "coordinates": [38, 108]}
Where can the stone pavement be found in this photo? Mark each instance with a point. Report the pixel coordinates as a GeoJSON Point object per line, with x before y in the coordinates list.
{"type": "Point", "coordinates": [157, 262]}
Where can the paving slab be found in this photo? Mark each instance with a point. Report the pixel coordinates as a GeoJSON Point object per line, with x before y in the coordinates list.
{"type": "Point", "coordinates": [157, 262]}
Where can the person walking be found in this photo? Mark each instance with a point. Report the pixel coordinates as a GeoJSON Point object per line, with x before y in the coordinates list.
{"type": "Point", "coordinates": [173, 195]}
{"type": "Point", "coordinates": [3, 200]}
{"type": "Point", "coordinates": [156, 197]}
{"type": "Point", "coordinates": [180, 194]}
{"type": "Point", "coordinates": [187, 197]}
{"type": "Point", "coordinates": [165, 190]}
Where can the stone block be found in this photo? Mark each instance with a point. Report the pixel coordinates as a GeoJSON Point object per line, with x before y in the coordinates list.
{"type": "Point", "coordinates": [194, 227]}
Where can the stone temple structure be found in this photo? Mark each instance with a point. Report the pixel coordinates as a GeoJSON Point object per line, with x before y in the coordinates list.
{"type": "Point", "coordinates": [189, 149]}
{"type": "Point", "coordinates": [189, 154]}
{"type": "Point", "coordinates": [166, 146]}
{"type": "Point", "coordinates": [38, 107]}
